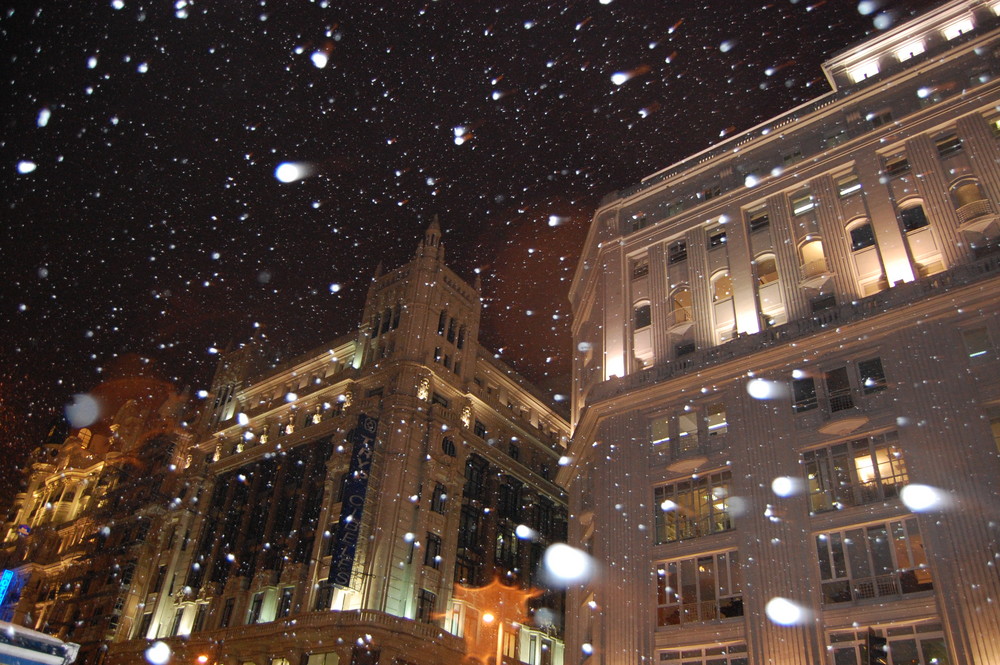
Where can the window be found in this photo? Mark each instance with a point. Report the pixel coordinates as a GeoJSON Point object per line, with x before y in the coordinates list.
{"type": "Point", "coordinates": [638, 221]}
{"type": "Point", "coordinates": [862, 236]}
{"type": "Point", "coordinates": [957, 29]}
{"type": "Point", "coordinates": [722, 287]}
{"type": "Point", "coordinates": [862, 71]}
{"type": "Point", "coordinates": [877, 561]}
{"type": "Point", "coordinates": [922, 644]}
{"type": "Point", "coordinates": [879, 118]}
{"type": "Point", "coordinates": [855, 473]}
{"type": "Point", "coordinates": [642, 315]}
{"type": "Point", "coordinates": [680, 305]}
{"type": "Point", "coordinates": [432, 553]}
{"type": "Point", "coordinates": [711, 192]}
{"type": "Point", "coordinates": [977, 343]}
{"type": "Point", "coordinates": [705, 588]}
{"type": "Point", "coordinates": [253, 616]}
{"type": "Point", "coordinates": [823, 302]}
{"type": "Point", "coordinates": [227, 612]}
{"type": "Point", "coordinates": [328, 658]}
{"type": "Point", "coordinates": [324, 595]}
{"type": "Point", "coordinates": [907, 51]}
{"type": "Point", "coordinates": [199, 618]}
{"type": "Point", "coordinates": [838, 390]}
{"type": "Point", "coordinates": [440, 399]}
{"type": "Point", "coordinates": [448, 447]}
{"type": "Point", "coordinates": [731, 654]}
{"type": "Point", "coordinates": [965, 193]}
{"type": "Point", "coordinates": [896, 166]}
{"type": "Point", "coordinates": [285, 602]}
{"type": "Point", "coordinates": [792, 157]}
{"type": "Point", "coordinates": [716, 237]}
{"type": "Point", "coordinates": [913, 217]}
{"type": "Point", "coordinates": [509, 500]}
{"type": "Point", "coordinates": [802, 202]}
{"type": "Point", "coordinates": [804, 394]}
{"type": "Point", "coordinates": [175, 627]}
{"type": "Point", "coordinates": [442, 321]}
{"type": "Point", "coordinates": [715, 418]}
{"type": "Point", "coordinates": [757, 218]}
{"type": "Point", "coordinates": [767, 269]}
{"type": "Point", "coordinates": [425, 606]}
{"type": "Point", "coordinates": [475, 476]}
{"type": "Point", "coordinates": [480, 429]}
{"type": "Point", "coordinates": [677, 252]}
{"type": "Point", "coordinates": [948, 145]}
{"type": "Point", "coordinates": [640, 268]}
{"type": "Point", "coordinates": [848, 184]}
{"type": "Point", "coordinates": [514, 452]}
{"type": "Point", "coordinates": [506, 549]}
{"type": "Point", "coordinates": [692, 508]}
{"type": "Point", "coordinates": [872, 376]}
{"type": "Point", "coordinates": [439, 500]}
{"type": "Point", "coordinates": [684, 348]}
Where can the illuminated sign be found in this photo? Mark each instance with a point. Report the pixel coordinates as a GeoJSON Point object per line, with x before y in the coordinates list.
{"type": "Point", "coordinates": [353, 502]}
{"type": "Point", "coordinates": [5, 579]}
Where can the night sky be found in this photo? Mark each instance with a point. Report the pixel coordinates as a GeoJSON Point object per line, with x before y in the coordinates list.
{"type": "Point", "coordinates": [143, 225]}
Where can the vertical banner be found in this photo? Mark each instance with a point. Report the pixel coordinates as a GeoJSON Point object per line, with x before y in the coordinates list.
{"type": "Point", "coordinates": [353, 502]}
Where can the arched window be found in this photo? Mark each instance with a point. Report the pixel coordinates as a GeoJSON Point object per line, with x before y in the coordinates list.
{"type": "Point", "coordinates": [680, 304]}
{"type": "Point", "coordinates": [862, 235]}
{"type": "Point", "coordinates": [965, 192]}
{"type": "Point", "coordinates": [912, 215]}
{"type": "Point", "coordinates": [767, 269]}
{"type": "Point", "coordinates": [448, 447]}
{"type": "Point", "coordinates": [813, 259]}
{"type": "Point", "coordinates": [722, 286]}
{"type": "Point", "coordinates": [642, 315]}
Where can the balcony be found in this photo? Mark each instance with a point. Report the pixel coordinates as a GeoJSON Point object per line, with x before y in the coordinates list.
{"type": "Point", "coordinates": [977, 217]}
{"type": "Point", "coordinates": [680, 321]}
{"type": "Point", "coordinates": [814, 274]}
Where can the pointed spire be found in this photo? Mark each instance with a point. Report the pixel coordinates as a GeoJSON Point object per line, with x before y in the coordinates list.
{"type": "Point", "coordinates": [378, 271]}
{"type": "Point", "coordinates": [431, 246]}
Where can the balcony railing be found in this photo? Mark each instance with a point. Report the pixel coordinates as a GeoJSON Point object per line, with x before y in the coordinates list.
{"type": "Point", "coordinates": [971, 211]}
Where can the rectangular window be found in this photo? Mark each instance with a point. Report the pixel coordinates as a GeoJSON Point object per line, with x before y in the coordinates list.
{"type": "Point", "coordinates": [147, 620]}
{"type": "Point", "coordinates": [838, 390]}
{"type": "Point", "coordinates": [439, 500]}
{"type": "Point", "coordinates": [425, 606]}
{"type": "Point", "coordinates": [677, 252]}
{"type": "Point", "coordinates": [432, 553]}
{"type": "Point", "coordinates": [480, 430]}
{"type": "Point", "coordinates": [977, 343]}
{"type": "Point", "coordinates": [175, 627]}
{"type": "Point", "coordinates": [692, 508]}
{"type": "Point", "coordinates": [848, 184]}
{"type": "Point", "coordinates": [948, 145]}
{"type": "Point", "coordinates": [705, 588]}
{"type": "Point", "coordinates": [253, 616]}
{"type": "Point", "coordinates": [862, 236]}
{"type": "Point", "coordinates": [509, 644]}
{"type": "Point", "coordinates": [285, 604]}
{"type": "Point", "coordinates": [716, 237]}
{"type": "Point", "coordinates": [324, 595]}
{"type": "Point", "coordinates": [896, 166]}
{"type": "Point", "coordinates": [802, 202]}
{"type": "Point", "coordinates": [872, 376]}
{"type": "Point", "coordinates": [804, 394]}
{"type": "Point", "coordinates": [877, 561]}
{"type": "Point", "coordinates": [687, 431]}
{"type": "Point", "coordinates": [731, 654]}
{"type": "Point", "coordinates": [856, 473]}
{"type": "Point", "coordinates": [227, 613]}
{"type": "Point", "coordinates": [659, 430]}
{"type": "Point", "coordinates": [437, 398]}
{"type": "Point", "coordinates": [757, 218]}
{"type": "Point", "coordinates": [638, 221]}
{"type": "Point", "coordinates": [957, 29]}
{"type": "Point", "coordinates": [640, 268]}
{"type": "Point", "coordinates": [907, 51]}
{"type": "Point", "coordinates": [715, 417]}
{"type": "Point", "coordinates": [199, 618]}
{"type": "Point", "coordinates": [792, 157]}
{"type": "Point", "coordinates": [922, 644]}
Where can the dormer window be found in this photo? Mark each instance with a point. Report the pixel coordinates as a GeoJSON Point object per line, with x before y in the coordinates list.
{"type": "Point", "coordinates": [907, 51]}
{"type": "Point", "coordinates": [865, 70]}
{"type": "Point", "coordinates": [958, 28]}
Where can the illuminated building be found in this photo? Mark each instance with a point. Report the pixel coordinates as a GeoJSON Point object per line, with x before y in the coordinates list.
{"type": "Point", "coordinates": [82, 533]}
{"type": "Point", "coordinates": [772, 339]}
{"type": "Point", "coordinates": [339, 497]}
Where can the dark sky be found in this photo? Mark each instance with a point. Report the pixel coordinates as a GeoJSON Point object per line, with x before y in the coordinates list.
{"type": "Point", "coordinates": [152, 227]}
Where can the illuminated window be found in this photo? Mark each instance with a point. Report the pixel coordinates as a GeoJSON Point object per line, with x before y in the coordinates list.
{"type": "Point", "coordinates": [640, 268]}
{"type": "Point", "coordinates": [767, 269]}
{"type": "Point", "coordinates": [856, 473]}
{"type": "Point", "coordinates": [907, 51]}
{"type": "Point", "coordinates": [848, 184]}
{"type": "Point", "coordinates": [692, 508]}
{"type": "Point", "coordinates": [957, 29]}
{"type": "Point", "coordinates": [865, 70]}
{"type": "Point", "coordinates": [966, 192]}
{"type": "Point", "coordinates": [722, 287]}
{"type": "Point", "coordinates": [680, 305]}
{"type": "Point", "coordinates": [715, 418]}
{"type": "Point", "coordinates": [802, 202]}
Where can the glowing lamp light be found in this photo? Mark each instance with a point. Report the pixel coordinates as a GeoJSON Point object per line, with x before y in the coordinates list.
{"type": "Point", "coordinates": [203, 659]}
{"type": "Point", "coordinates": [488, 618]}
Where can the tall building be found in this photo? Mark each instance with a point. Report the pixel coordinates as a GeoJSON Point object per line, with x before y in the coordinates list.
{"type": "Point", "coordinates": [786, 403]}
{"type": "Point", "coordinates": [385, 498]}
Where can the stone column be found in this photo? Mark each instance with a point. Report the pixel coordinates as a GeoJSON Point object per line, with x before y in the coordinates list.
{"type": "Point", "coordinates": [836, 242]}
{"type": "Point", "coordinates": [892, 245]}
{"type": "Point", "coordinates": [933, 189]}
{"type": "Point", "coordinates": [701, 288]}
{"type": "Point", "coordinates": [659, 296]}
{"type": "Point", "coordinates": [786, 256]}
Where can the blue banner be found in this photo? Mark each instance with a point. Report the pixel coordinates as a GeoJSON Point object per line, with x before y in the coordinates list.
{"type": "Point", "coordinates": [353, 502]}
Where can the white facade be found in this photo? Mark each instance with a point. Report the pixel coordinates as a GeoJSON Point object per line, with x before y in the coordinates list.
{"type": "Point", "coordinates": [813, 301]}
